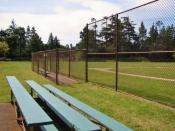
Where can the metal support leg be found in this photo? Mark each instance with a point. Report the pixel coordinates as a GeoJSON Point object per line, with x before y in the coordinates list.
{"type": "Point", "coordinates": [11, 97]}
{"type": "Point", "coordinates": [107, 129]}
{"type": "Point", "coordinates": [18, 112]}
{"type": "Point", "coordinates": [31, 92]}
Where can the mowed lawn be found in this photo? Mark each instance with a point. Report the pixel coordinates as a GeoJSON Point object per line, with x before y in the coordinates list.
{"type": "Point", "coordinates": [162, 91]}
{"type": "Point", "coordinates": [155, 69]}
{"type": "Point", "coordinates": [132, 111]}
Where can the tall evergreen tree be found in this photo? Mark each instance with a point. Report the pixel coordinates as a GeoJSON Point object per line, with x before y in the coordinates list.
{"type": "Point", "coordinates": [56, 42]}
{"type": "Point", "coordinates": [51, 41]}
{"type": "Point", "coordinates": [153, 33]}
{"type": "Point", "coordinates": [3, 35]}
{"type": "Point", "coordinates": [91, 38]}
{"type": "Point", "coordinates": [128, 34]}
{"type": "Point", "coordinates": [12, 39]}
{"type": "Point", "coordinates": [166, 38]}
{"type": "Point", "coordinates": [35, 42]}
{"type": "Point", "coordinates": [28, 33]}
{"type": "Point", "coordinates": [21, 40]}
{"type": "Point", "coordinates": [142, 35]}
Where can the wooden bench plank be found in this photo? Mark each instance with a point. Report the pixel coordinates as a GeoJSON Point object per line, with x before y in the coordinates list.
{"type": "Point", "coordinates": [50, 127]}
{"type": "Point", "coordinates": [100, 117]}
{"type": "Point", "coordinates": [71, 117]}
{"type": "Point", "coordinates": [31, 111]}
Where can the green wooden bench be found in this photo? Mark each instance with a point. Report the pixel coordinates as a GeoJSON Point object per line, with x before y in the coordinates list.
{"type": "Point", "coordinates": [103, 119]}
{"type": "Point", "coordinates": [72, 118]}
{"type": "Point", "coordinates": [32, 113]}
{"type": "Point", "coordinates": [49, 127]}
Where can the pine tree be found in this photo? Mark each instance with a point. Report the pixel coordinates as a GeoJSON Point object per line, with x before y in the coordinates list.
{"type": "Point", "coordinates": [142, 34]}
{"type": "Point", "coordinates": [12, 39]}
{"type": "Point", "coordinates": [128, 34]}
{"type": "Point", "coordinates": [28, 33]}
{"type": "Point", "coordinates": [153, 37]}
{"type": "Point", "coordinates": [50, 41]}
{"type": "Point", "coordinates": [166, 38]}
{"type": "Point", "coordinates": [21, 40]}
{"type": "Point", "coordinates": [56, 42]}
{"type": "Point", "coordinates": [35, 42]}
{"type": "Point", "coordinates": [91, 38]}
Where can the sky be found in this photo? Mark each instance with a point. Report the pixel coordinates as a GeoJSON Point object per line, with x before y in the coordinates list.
{"type": "Point", "coordinates": [64, 18]}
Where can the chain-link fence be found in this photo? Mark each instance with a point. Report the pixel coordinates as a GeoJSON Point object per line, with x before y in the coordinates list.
{"type": "Point", "coordinates": [134, 51]}
{"type": "Point", "coordinates": [101, 39]}
{"type": "Point", "coordinates": [78, 64]}
{"type": "Point", "coordinates": [57, 63]}
{"type": "Point", "coordinates": [38, 64]}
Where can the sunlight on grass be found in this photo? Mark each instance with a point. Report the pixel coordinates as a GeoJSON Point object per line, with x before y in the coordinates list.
{"type": "Point", "coordinates": [135, 113]}
{"type": "Point", "coordinates": [157, 90]}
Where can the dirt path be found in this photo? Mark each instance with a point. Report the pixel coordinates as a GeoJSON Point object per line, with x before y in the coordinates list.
{"type": "Point", "coordinates": [132, 75]}
{"type": "Point", "coordinates": [8, 120]}
{"type": "Point", "coordinates": [63, 80]}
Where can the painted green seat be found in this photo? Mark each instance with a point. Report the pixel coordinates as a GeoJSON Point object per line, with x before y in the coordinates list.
{"type": "Point", "coordinates": [72, 118]}
{"type": "Point", "coordinates": [32, 113]}
{"type": "Point", "coordinates": [49, 127]}
{"type": "Point", "coordinates": [103, 119]}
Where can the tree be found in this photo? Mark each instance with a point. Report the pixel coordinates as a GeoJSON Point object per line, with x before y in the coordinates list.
{"type": "Point", "coordinates": [50, 41]}
{"type": "Point", "coordinates": [166, 38]}
{"type": "Point", "coordinates": [28, 33]}
{"type": "Point", "coordinates": [3, 35]}
{"type": "Point", "coordinates": [15, 38]}
{"type": "Point", "coordinates": [21, 41]}
{"type": "Point", "coordinates": [56, 42]}
{"type": "Point", "coordinates": [3, 48]}
{"type": "Point", "coordinates": [71, 46]}
{"type": "Point", "coordinates": [13, 25]}
{"type": "Point", "coordinates": [83, 37]}
{"type": "Point", "coordinates": [128, 37]}
{"type": "Point", "coordinates": [104, 36]}
{"type": "Point", "coordinates": [93, 42]}
{"type": "Point", "coordinates": [67, 46]}
{"type": "Point", "coordinates": [153, 35]}
{"type": "Point", "coordinates": [128, 29]}
{"type": "Point", "coordinates": [142, 34]}
{"type": "Point", "coordinates": [12, 39]}
{"type": "Point", "coordinates": [35, 43]}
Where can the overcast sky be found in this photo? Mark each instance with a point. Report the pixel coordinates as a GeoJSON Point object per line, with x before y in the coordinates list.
{"type": "Point", "coordinates": [65, 18]}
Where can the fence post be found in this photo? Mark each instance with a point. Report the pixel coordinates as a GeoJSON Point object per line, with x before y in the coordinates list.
{"type": "Point", "coordinates": [57, 64]}
{"type": "Point", "coordinates": [69, 50]}
{"type": "Point", "coordinates": [38, 62]}
{"type": "Point", "coordinates": [50, 63]}
{"type": "Point", "coordinates": [45, 73]}
{"type": "Point", "coordinates": [87, 50]}
{"type": "Point", "coordinates": [32, 61]}
{"type": "Point", "coordinates": [116, 50]}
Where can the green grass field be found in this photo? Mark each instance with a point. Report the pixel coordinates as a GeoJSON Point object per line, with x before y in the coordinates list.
{"type": "Point", "coordinates": [162, 91]}
{"type": "Point", "coordinates": [156, 69]}
{"type": "Point", "coordinates": [132, 111]}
